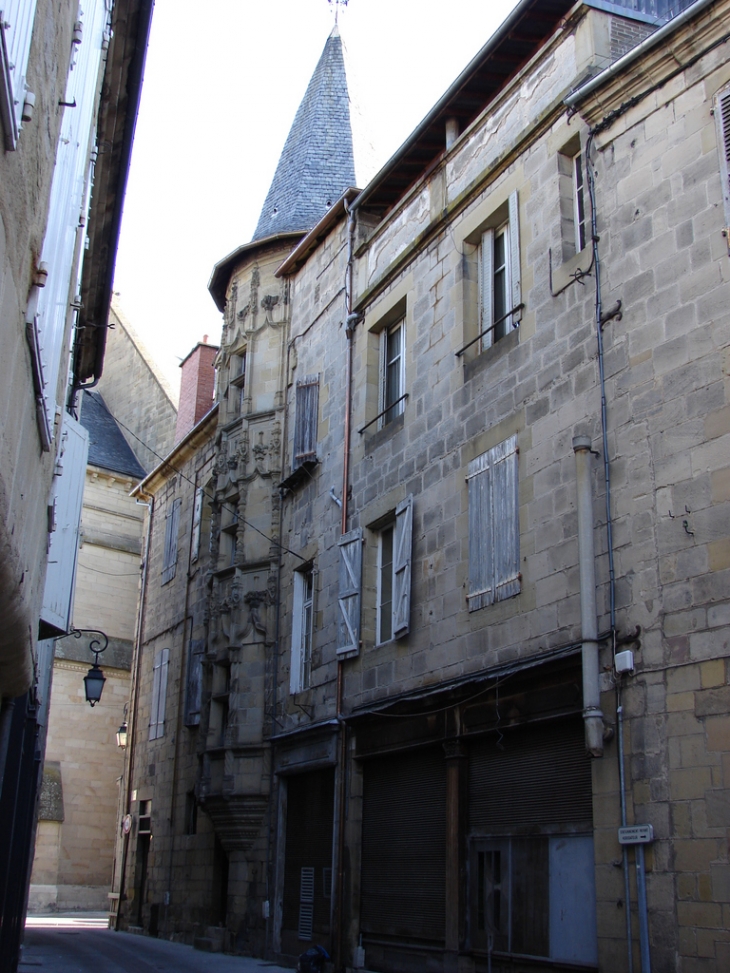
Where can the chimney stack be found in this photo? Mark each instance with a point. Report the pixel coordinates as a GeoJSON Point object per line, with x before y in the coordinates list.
{"type": "Point", "coordinates": [197, 384]}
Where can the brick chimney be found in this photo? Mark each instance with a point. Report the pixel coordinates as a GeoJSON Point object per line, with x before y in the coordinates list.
{"type": "Point", "coordinates": [197, 384]}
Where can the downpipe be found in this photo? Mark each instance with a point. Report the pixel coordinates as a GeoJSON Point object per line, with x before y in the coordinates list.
{"type": "Point", "coordinates": [592, 715]}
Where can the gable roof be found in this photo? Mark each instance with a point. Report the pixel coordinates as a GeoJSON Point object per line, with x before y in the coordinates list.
{"type": "Point", "coordinates": [108, 448]}
{"type": "Point", "coordinates": [317, 163]}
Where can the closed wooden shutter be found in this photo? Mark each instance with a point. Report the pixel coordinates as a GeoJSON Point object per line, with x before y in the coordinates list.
{"type": "Point", "coordinates": [514, 257]}
{"type": "Point", "coordinates": [529, 778]}
{"type": "Point", "coordinates": [159, 694]}
{"type": "Point", "coordinates": [194, 684]}
{"type": "Point", "coordinates": [305, 425]}
{"type": "Point", "coordinates": [16, 31]}
{"type": "Point", "coordinates": [197, 523]}
{"type": "Point", "coordinates": [172, 521]}
{"type": "Point", "coordinates": [308, 861]}
{"type": "Point", "coordinates": [404, 846]}
{"type": "Point", "coordinates": [722, 117]}
{"type": "Point", "coordinates": [350, 586]}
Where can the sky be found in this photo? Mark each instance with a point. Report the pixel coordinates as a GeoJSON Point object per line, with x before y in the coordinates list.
{"type": "Point", "coordinates": [222, 84]}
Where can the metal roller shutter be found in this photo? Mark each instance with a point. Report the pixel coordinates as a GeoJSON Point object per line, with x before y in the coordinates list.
{"type": "Point", "coordinates": [529, 778]}
{"type": "Point", "coordinates": [403, 846]}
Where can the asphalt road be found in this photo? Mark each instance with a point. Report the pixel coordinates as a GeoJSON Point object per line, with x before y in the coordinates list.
{"type": "Point", "coordinates": [85, 945]}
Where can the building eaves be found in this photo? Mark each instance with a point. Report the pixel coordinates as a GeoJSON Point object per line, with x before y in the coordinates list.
{"type": "Point", "coordinates": [187, 447]}
{"type": "Point", "coordinates": [512, 45]}
{"type": "Point", "coordinates": [333, 215]}
{"type": "Point", "coordinates": [218, 283]}
{"type": "Point", "coordinates": [120, 98]}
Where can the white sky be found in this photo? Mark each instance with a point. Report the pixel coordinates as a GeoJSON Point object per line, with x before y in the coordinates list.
{"type": "Point", "coordinates": [222, 84]}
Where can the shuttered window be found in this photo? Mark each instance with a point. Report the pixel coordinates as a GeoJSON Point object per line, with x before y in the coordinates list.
{"type": "Point", "coordinates": [169, 561]}
{"type": "Point", "coordinates": [159, 694]}
{"type": "Point", "coordinates": [197, 524]}
{"type": "Point", "coordinates": [305, 424]}
{"type": "Point", "coordinates": [722, 117]}
{"type": "Point", "coordinates": [194, 682]}
{"type": "Point", "coordinates": [302, 630]}
{"type": "Point", "coordinates": [392, 372]}
{"type": "Point", "coordinates": [404, 846]}
{"type": "Point", "coordinates": [16, 31]}
{"type": "Point", "coordinates": [494, 535]}
{"type": "Point", "coordinates": [350, 589]}
{"type": "Point", "coordinates": [500, 286]}
{"type": "Point", "coordinates": [394, 574]}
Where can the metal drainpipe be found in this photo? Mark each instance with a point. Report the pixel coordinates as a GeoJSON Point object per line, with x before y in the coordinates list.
{"type": "Point", "coordinates": [132, 726]}
{"type": "Point", "coordinates": [609, 533]}
{"type": "Point", "coordinates": [592, 715]}
{"type": "Point", "coordinates": [349, 331]}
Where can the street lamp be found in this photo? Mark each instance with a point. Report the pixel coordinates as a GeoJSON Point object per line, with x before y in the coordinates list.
{"type": "Point", "coordinates": [94, 679]}
{"type": "Point", "coordinates": [122, 736]}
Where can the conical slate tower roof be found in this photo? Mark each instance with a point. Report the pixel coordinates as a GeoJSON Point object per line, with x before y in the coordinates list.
{"type": "Point", "coordinates": [317, 164]}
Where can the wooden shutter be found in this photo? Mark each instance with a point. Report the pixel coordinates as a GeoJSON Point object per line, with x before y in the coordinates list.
{"type": "Point", "coordinates": [297, 635]}
{"type": "Point", "coordinates": [402, 549]}
{"type": "Point", "coordinates": [505, 520]}
{"type": "Point", "coordinates": [16, 31]}
{"type": "Point", "coordinates": [494, 533]}
{"type": "Point", "coordinates": [481, 570]}
{"type": "Point", "coordinates": [172, 520]}
{"type": "Point", "coordinates": [514, 257]}
{"type": "Point", "coordinates": [348, 622]}
{"type": "Point", "coordinates": [722, 115]}
{"type": "Point", "coordinates": [159, 694]}
{"type": "Point", "coordinates": [197, 522]}
{"type": "Point", "coordinates": [194, 685]}
{"type": "Point", "coordinates": [486, 285]}
{"type": "Point", "coordinates": [305, 426]}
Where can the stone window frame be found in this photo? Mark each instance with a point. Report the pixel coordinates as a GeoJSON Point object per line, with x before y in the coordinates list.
{"type": "Point", "coordinates": [572, 193]}
{"type": "Point", "coordinates": [394, 307]}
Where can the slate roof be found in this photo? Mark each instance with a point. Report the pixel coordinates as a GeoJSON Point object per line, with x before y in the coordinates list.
{"type": "Point", "coordinates": [317, 163]}
{"type": "Point", "coordinates": [108, 448]}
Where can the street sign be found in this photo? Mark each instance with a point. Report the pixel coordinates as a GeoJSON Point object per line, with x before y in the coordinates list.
{"type": "Point", "coordinates": [639, 834]}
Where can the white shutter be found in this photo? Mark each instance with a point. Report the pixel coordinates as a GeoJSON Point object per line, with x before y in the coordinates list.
{"type": "Point", "coordinates": [402, 547]}
{"type": "Point", "coordinates": [486, 287]}
{"type": "Point", "coordinates": [197, 520]}
{"type": "Point", "coordinates": [69, 201]}
{"type": "Point", "coordinates": [155, 703]}
{"type": "Point", "coordinates": [514, 257]}
{"type": "Point", "coordinates": [505, 520]}
{"type": "Point", "coordinates": [722, 116]}
{"type": "Point", "coordinates": [348, 621]}
{"type": "Point", "coordinates": [494, 532]}
{"type": "Point", "coordinates": [66, 498]}
{"type": "Point", "coordinates": [480, 546]}
{"type": "Point", "coordinates": [16, 32]}
{"type": "Point", "coordinates": [297, 639]}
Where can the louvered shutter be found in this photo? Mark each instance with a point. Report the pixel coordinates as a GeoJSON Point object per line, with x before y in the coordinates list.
{"type": "Point", "coordinates": [514, 257]}
{"type": "Point", "coordinates": [494, 535]}
{"type": "Point", "coordinates": [297, 640]}
{"type": "Point", "coordinates": [402, 549]}
{"type": "Point", "coordinates": [505, 520]}
{"type": "Point", "coordinates": [197, 521]}
{"type": "Point", "coordinates": [172, 520]}
{"type": "Point", "coordinates": [194, 686]}
{"type": "Point", "coordinates": [305, 425]}
{"type": "Point", "coordinates": [722, 117]}
{"type": "Point", "coordinates": [348, 622]}
{"type": "Point", "coordinates": [486, 284]}
{"type": "Point", "coordinates": [159, 694]}
{"type": "Point", "coordinates": [16, 31]}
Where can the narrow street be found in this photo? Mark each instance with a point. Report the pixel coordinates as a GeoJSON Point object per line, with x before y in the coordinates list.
{"type": "Point", "coordinates": [84, 945]}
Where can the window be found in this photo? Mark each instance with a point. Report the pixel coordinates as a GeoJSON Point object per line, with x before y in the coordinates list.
{"type": "Point", "coordinates": [535, 896]}
{"type": "Point", "coordinates": [579, 209]}
{"type": "Point", "coordinates": [302, 628]}
{"type": "Point", "coordinates": [169, 561]}
{"type": "Point", "coordinates": [194, 684]}
{"type": "Point", "coordinates": [392, 371]}
{"type": "Point", "coordinates": [494, 536]}
{"type": "Point", "coordinates": [16, 30]}
{"type": "Point", "coordinates": [229, 533]}
{"type": "Point", "coordinates": [197, 523]}
{"type": "Point", "coordinates": [394, 574]}
{"type": "Point", "coordinates": [159, 694]}
{"type": "Point", "coordinates": [722, 117]}
{"type": "Point", "coordinates": [305, 424]}
{"type": "Point", "coordinates": [500, 289]}
{"type": "Point", "coordinates": [191, 813]}
{"type": "Point", "coordinates": [236, 384]}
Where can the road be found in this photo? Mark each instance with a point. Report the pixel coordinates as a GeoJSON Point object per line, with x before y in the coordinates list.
{"type": "Point", "coordinates": [85, 945]}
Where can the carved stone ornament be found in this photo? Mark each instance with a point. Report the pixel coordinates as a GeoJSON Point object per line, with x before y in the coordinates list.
{"type": "Point", "coordinates": [259, 452]}
{"type": "Point", "coordinates": [254, 600]}
{"type": "Point", "coordinates": [243, 313]}
{"type": "Point", "coordinates": [270, 302]}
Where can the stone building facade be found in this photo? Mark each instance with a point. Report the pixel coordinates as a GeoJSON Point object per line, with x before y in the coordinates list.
{"type": "Point", "coordinates": [492, 680]}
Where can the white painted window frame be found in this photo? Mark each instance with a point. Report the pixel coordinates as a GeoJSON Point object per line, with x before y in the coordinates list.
{"type": "Point", "coordinates": [394, 407]}
{"type": "Point", "coordinates": [302, 631]}
{"type": "Point", "coordinates": [512, 278]}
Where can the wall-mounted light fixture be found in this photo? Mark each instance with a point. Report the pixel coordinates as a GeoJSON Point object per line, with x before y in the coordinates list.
{"type": "Point", "coordinates": [94, 679]}
{"type": "Point", "coordinates": [122, 732]}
